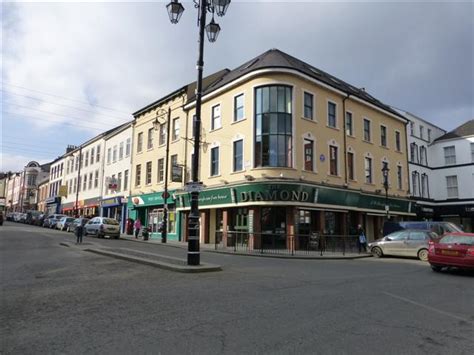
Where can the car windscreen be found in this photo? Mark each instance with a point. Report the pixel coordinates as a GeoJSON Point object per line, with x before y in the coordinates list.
{"type": "Point", "coordinates": [450, 227]}
{"type": "Point", "coordinates": [457, 239]}
{"type": "Point", "coordinates": [110, 221]}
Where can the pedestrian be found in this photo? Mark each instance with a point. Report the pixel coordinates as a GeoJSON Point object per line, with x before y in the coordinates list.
{"type": "Point", "coordinates": [79, 233]}
{"type": "Point", "coordinates": [362, 239]}
{"type": "Point", "coordinates": [138, 226]}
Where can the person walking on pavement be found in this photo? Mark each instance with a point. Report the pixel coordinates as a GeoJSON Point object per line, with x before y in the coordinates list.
{"type": "Point", "coordinates": [79, 233]}
{"type": "Point", "coordinates": [362, 239]}
{"type": "Point", "coordinates": [138, 226]}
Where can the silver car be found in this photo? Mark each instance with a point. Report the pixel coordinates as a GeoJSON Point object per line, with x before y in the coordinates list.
{"type": "Point", "coordinates": [409, 242]}
{"type": "Point", "coordinates": [102, 226]}
{"type": "Point", "coordinates": [63, 223]}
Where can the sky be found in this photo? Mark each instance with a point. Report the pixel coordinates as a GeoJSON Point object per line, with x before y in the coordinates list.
{"type": "Point", "coordinates": [71, 70]}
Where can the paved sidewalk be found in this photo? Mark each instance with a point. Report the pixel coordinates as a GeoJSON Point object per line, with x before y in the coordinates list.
{"type": "Point", "coordinates": [211, 248]}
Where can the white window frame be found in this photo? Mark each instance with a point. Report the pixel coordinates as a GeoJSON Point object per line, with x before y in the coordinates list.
{"type": "Point", "coordinates": [327, 114]}
{"type": "Point", "coordinates": [313, 168]}
{"type": "Point", "coordinates": [233, 154]}
{"type": "Point", "coordinates": [212, 127]}
{"type": "Point", "coordinates": [370, 129]}
{"type": "Point", "coordinates": [351, 134]}
{"type": "Point", "coordinates": [234, 120]}
{"type": "Point", "coordinates": [386, 136]}
{"type": "Point", "coordinates": [453, 188]}
{"type": "Point", "coordinates": [452, 157]}
{"type": "Point", "coordinates": [218, 173]}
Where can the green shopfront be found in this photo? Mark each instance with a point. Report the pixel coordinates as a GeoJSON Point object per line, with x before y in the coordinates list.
{"type": "Point", "coordinates": [287, 208]}
{"type": "Point", "coordinates": [149, 209]}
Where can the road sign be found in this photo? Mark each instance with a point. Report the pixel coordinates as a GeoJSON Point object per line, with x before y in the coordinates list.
{"type": "Point", "coordinates": [193, 187]}
{"type": "Point", "coordinates": [165, 195]}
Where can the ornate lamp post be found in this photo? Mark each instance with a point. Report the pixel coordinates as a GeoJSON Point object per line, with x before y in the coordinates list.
{"type": "Point", "coordinates": [175, 10]}
{"type": "Point", "coordinates": [385, 171]}
{"type": "Point", "coordinates": [156, 126]}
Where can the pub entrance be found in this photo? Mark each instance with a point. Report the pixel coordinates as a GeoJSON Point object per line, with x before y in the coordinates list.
{"type": "Point", "coordinates": [274, 229]}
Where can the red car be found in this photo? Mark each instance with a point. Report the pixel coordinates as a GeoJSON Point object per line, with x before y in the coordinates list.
{"type": "Point", "coordinates": [452, 249]}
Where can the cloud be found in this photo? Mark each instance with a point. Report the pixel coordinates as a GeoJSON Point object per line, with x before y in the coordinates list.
{"type": "Point", "coordinates": [124, 55]}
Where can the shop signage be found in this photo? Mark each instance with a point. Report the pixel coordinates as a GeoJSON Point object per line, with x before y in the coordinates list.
{"type": "Point", "coordinates": [176, 173]}
{"type": "Point", "coordinates": [469, 209]}
{"type": "Point", "coordinates": [295, 193]}
{"type": "Point", "coordinates": [109, 202]}
{"type": "Point", "coordinates": [51, 200]}
{"type": "Point", "coordinates": [152, 199]}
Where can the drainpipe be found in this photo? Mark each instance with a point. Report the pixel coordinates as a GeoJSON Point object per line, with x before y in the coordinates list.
{"type": "Point", "coordinates": [345, 137]}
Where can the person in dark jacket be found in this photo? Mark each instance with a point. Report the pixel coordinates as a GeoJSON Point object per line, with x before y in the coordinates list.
{"type": "Point", "coordinates": [79, 233]}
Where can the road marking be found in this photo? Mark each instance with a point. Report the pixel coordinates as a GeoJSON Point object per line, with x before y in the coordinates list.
{"type": "Point", "coordinates": [427, 307]}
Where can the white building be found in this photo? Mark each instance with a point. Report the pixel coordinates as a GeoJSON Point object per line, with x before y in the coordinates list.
{"type": "Point", "coordinates": [116, 176]}
{"type": "Point", "coordinates": [453, 175]}
{"type": "Point", "coordinates": [421, 134]}
{"type": "Point", "coordinates": [84, 171]}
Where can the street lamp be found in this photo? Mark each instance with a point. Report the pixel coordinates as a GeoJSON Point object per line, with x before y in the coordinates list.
{"type": "Point", "coordinates": [385, 171]}
{"type": "Point", "coordinates": [175, 10]}
{"type": "Point", "coordinates": [165, 195]}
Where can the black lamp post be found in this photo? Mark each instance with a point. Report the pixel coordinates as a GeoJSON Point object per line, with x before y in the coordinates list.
{"type": "Point", "coordinates": [385, 171]}
{"type": "Point", "coordinates": [175, 10]}
{"type": "Point", "coordinates": [165, 195]}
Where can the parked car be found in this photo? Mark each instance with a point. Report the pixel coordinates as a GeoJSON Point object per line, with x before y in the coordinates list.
{"type": "Point", "coordinates": [453, 249]}
{"type": "Point", "coordinates": [78, 221]}
{"type": "Point", "coordinates": [409, 242]}
{"type": "Point", "coordinates": [63, 223]}
{"type": "Point", "coordinates": [32, 216]}
{"type": "Point", "coordinates": [102, 226]}
{"type": "Point", "coordinates": [438, 227]}
{"type": "Point", "coordinates": [51, 220]}
{"type": "Point", "coordinates": [22, 218]}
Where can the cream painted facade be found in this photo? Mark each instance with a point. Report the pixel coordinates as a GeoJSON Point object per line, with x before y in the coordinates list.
{"type": "Point", "coordinates": [226, 131]}
{"type": "Point", "coordinates": [316, 129]}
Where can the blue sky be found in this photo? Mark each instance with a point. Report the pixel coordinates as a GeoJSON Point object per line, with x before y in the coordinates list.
{"type": "Point", "coordinates": [72, 70]}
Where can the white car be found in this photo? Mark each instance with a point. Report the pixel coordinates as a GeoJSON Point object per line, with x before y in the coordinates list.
{"type": "Point", "coordinates": [102, 226]}
{"type": "Point", "coordinates": [64, 222]}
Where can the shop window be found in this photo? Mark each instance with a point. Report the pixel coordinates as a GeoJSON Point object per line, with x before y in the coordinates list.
{"type": "Point", "coordinates": [219, 220]}
{"type": "Point", "coordinates": [330, 223]}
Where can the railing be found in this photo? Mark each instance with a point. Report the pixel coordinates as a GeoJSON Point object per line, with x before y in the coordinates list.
{"type": "Point", "coordinates": [287, 244]}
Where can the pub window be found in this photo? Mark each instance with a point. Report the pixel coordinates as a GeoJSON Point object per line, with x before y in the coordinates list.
{"type": "Point", "coordinates": [349, 124]}
{"type": "Point", "coordinates": [238, 155]}
{"type": "Point", "coordinates": [368, 170]}
{"type": "Point", "coordinates": [216, 117]}
{"type": "Point", "coordinates": [239, 107]}
{"type": "Point", "coordinates": [399, 177]}
{"type": "Point", "coordinates": [308, 105]}
{"type": "Point", "coordinates": [366, 130]}
{"type": "Point", "coordinates": [308, 154]}
{"type": "Point", "coordinates": [383, 136]}
{"type": "Point", "coordinates": [215, 161]}
{"type": "Point", "coordinates": [350, 165]}
{"type": "Point", "coordinates": [333, 160]}
{"type": "Point", "coordinates": [332, 115]}
{"type": "Point", "coordinates": [273, 126]}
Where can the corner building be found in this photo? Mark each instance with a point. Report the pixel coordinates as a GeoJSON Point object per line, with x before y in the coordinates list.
{"type": "Point", "coordinates": [287, 149]}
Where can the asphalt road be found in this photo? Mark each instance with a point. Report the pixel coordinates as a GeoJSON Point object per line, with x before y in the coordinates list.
{"type": "Point", "coordinates": [61, 300]}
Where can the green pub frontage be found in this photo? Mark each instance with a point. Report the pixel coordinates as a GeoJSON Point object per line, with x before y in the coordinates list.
{"type": "Point", "coordinates": [288, 208]}
{"type": "Point", "coordinates": [149, 209]}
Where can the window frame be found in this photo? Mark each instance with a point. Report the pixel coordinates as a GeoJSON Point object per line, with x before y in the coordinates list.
{"type": "Point", "coordinates": [364, 131]}
{"type": "Point", "coordinates": [148, 172]}
{"type": "Point", "coordinates": [139, 142]}
{"type": "Point", "coordinates": [333, 162]}
{"type": "Point", "coordinates": [456, 187]}
{"type": "Point", "coordinates": [175, 133]}
{"type": "Point", "coordinates": [351, 133]}
{"type": "Point", "coordinates": [214, 163]}
{"type": "Point", "coordinates": [213, 126]}
{"type": "Point", "coordinates": [447, 157]}
{"type": "Point", "coordinates": [330, 102]}
{"type": "Point", "coordinates": [368, 168]}
{"type": "Point", "coordinates": [307, 140]}
{"type": "Point", "coordinates": [149, 140]}
{"type": "Point", "coordinates": [235, 119]}
{"type": "Point", "coordinates": [383, 136]}
{"type": "Point", "coordinates": [312, 108]}
{"type": "Point", "coordinates": [138, 174]}
{"type": "Point", "coordinates": [234, 156]}
{"type": "Point", "coordinates": [351, 166]}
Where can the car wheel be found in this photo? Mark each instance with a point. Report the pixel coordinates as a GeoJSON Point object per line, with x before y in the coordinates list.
{"type": "Point", "coordinates": [436, 268]}
{"type": "Point", "coordinates": [423, 255]}
{"type": "Point", "coordinates": [377, 252]}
